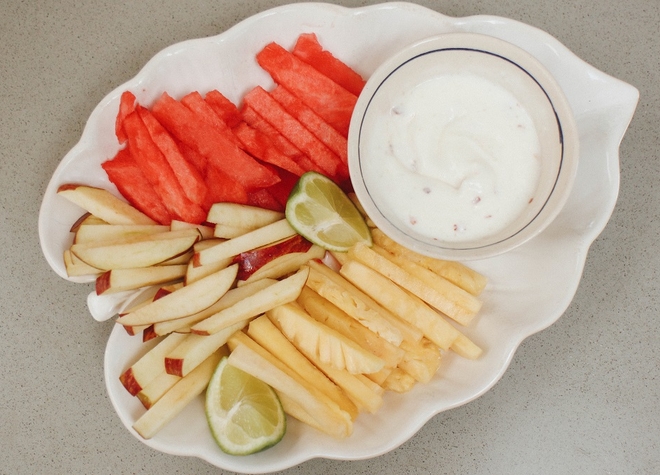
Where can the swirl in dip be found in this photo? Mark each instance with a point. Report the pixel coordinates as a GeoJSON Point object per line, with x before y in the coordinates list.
{"type": "Point", "coordinates": [458, 157]}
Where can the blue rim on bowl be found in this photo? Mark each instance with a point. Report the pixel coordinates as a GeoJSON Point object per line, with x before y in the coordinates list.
{"type": "Point", "coordinates": [497, 61]}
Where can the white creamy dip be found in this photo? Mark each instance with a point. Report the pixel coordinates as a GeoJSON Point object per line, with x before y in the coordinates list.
{"type": "Point", "coordinates": [458, 158]}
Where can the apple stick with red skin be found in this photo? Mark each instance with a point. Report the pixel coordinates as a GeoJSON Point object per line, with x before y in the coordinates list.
{"type": "Point", "coordinates": [177, 398]}
{"type": "Point", "coordinates": [150, 365]}
{"type": "Point", "coordinates": [119, 280]}
{"type": "Point", "coordinates": [196, 348]}
{"type": "Point", "coordinates": [87, 233]}
{"type": "Point", "coordinates": [183, 258]}
{"type": "Point", "coordinates": [148, 330]}
{"type": "Point", "coordinates": [281, 292]}
{"type": "Point", "coordinates": [205, 230]}
{"type": "Point", "coordinates": [153, 391]}
{"type": "Point", "coordinates": [232, 297]}
{"type": "Point", "coordinates": [225, 231]}
{"type": "Point", "coordinates": [136, 251]}
{"type": "Point", "coordinates": [149, 395]}
{"type": "Point", "coordinates": [86, 218]}
{"type": "Point", "coordinates": [185, 301]}
{"type": "Point", "coordinates": [103, 204]}
{"type": "Point", "coordinates": [262, 236]}
{"type": "Point", "coordinates": [242, 215]}
{"type": "Point", "coordinates": [76, 267]}
{"type": "Point", "coordinates": [195, 273]}
{"type": "Point", "coordinates": [284, 265]}
{"type": "Point", "coordinates": [252, 260]}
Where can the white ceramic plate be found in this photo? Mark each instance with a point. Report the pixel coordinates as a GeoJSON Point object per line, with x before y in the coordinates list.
{"type": "Point", "coordinates": [529, 288]}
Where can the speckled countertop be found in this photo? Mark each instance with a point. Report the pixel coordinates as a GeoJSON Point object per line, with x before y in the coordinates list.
{"type": "Point", "coordinates": [580, 397]}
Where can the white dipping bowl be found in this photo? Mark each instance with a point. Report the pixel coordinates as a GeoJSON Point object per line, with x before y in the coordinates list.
{"type": "Point", "coordinates": [496, 62]}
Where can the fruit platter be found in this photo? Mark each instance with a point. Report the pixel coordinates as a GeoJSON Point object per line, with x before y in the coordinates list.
{"type": "Point", "coordinates": [195, 195]}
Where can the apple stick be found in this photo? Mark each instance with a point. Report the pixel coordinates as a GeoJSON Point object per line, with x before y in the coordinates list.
{"type": "Point", "coordinates": [408, 281]}
{"type": "Point", "coordinates": [329, 314]}
{"type": "Point", "coordinates": [183, 258]}
{"type": "Point", "coordinates": [206, 243]}
{"type": "Point", "coordinates": [194, 274]}
{"type": "Point", "coordinates": [76, 267]}
{"type": "Point", "coordinates": [259, 237]}
{"type": "Point", "coordinates": [232, 297]}
{"type": "Point", "coordinates": [86, 218]}
{"type": "Point", "coordinates": [205, 231]}
{"type": "Point", "coordinates": [284, 265]}
{"type": "Point", "coordinates": [177, 398]}
{"type": "Point", "coordinates": [271, 338]}
{"type": "Point", "coordinates": [185, 301]}
{"type": "Point", "coordinates": [119, 280]}
{"type": "Point", "coordinates": [158, 292]}
{"type": "Point", "coordinates": [402, 304]}
{"type": "Point", "coordinates": [324, 343]}
{"type": "Point", "coordinates": [103, 204]}
{"type": "Point", "coordinates": [196, 348]}
{"type": "Point", "coordinates": [253, 260]}
{"type": "Point", "coordinates": [87, 233]}
{"type": "Point", "coordinates": [136, 251]}
{"type": "Point", "coordinates": [281, 292]}
{"type": "Point", "coordinates": [229, 232]}
{"type": "Point", "coordinates": [242, 216]}
{"type": "Point", "coordinates": [335, 423]}
{"type": "Point", "coordinates": [456, 272]}
{"type": "Point", "coordinates": [153, 391]}
{"type": "Point", "coordinates": [148, 334]}
{"type": "Point", "coordinates": [150, 365]}
{"type": "Point", "coordinates": [163, 383]}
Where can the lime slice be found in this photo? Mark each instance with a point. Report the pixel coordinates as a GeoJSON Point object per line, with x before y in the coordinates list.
{"type": "Point", "coordinates": [244, 413]}
{"type": "Point", "coordinates": [322, 213]}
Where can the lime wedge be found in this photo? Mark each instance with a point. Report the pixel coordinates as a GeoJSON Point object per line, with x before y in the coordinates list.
{"type": "Point", "coordinates": [244, 413]}
{"type": "Point", "coordinates": [322, 213]}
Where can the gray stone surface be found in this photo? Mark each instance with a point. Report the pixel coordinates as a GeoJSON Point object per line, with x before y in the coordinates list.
{"type": "Point", "coordinates": [578, 398]}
